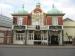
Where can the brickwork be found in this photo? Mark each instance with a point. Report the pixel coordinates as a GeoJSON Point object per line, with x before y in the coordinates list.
{"type": "Point", "coordinates": [8, 37]}
{"type": "Point", "coordinates": [49, 20]}
{"type": "Point", "coordinates": [60, 20]}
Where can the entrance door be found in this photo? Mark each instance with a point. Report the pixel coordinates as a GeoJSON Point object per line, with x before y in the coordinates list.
{"type": "Point", "coordinates": [54, 40]}
{"type": "Point", "coordinates": [37, 38]}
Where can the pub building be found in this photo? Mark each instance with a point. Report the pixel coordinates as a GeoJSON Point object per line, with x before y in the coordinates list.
{"type": "Point", "coordinates": [38, 27]}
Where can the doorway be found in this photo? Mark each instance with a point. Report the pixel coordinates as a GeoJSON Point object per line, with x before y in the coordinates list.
{"type": "Point", "coordinates": [37, 38]}
{"type": "Point", "coordinates": [54, 40]}
{"type": "Point", "coordinates": [37, 35]}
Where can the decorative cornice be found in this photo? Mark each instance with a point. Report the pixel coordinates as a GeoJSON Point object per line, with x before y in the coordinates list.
{"type": "Point", "coordinates": [20, 14]}
{"type": "Point", "coordinates": [55, 14]}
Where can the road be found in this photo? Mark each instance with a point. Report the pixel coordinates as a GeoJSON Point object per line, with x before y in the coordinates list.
{"type": "Point", "coordinates": [28, 51]}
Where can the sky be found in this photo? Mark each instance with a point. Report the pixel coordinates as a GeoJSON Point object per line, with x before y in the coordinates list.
{"type": "Point", "coordinates": [7, 7]}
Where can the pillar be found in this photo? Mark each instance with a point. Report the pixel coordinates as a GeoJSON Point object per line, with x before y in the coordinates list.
{"type": "Point", "coordinates": [25, 37]}
{"type": "Point", "coordinates": [33, 35]}
{"type": "Point", "coordinates": [14, 37]}
{"type": "Point", "coordinates": [60, 38]}
{"type": "Point", "coordinates": [47, 37]}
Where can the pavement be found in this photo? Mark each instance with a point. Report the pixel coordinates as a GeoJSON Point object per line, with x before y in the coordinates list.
{"type": "Point", "coordinates": [35, 46]}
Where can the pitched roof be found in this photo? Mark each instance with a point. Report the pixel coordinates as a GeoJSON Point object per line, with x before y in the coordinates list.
{"type": "Point", "coordinates": [68, 19]}
{"type": "Point", "coordinates": [5, 21]}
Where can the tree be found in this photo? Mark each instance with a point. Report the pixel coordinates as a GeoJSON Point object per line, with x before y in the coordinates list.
{"type": "Point", "coordinates": [69, 37]}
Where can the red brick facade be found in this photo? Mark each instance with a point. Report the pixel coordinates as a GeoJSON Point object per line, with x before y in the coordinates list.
{"type": "Point", "coordinates": [60, 20]}
{"type": "Point", "coordinates": [8, 39]}
{"type": "Point", "coordinates": [37, 9]}
{"type": "Point", "coordinates": [15, 20]}
{"type": "Point", "coordinates": [49, 20]}
{"type": "Point", "coordinates": [44, 20]}
{"type": "Point", "coordinates": [26, 20]}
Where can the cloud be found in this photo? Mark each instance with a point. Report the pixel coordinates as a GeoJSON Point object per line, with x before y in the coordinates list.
{"type": "Point", "coordinates": [6, 9]}
{"type": "Point", "coordinates": [66, 6]}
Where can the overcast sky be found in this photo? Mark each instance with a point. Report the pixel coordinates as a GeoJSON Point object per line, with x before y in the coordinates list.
{"type": "Point", "coordinates": [66, 6]}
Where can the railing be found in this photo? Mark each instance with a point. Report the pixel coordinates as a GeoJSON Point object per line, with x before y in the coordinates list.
{"type": "Point", "coordinates": [40, 27]}
{"type": "Point", "coordinates": [19, 27]}
{"type": "Point", "coordinates": [34, 27]}
{"type": "Point", "coordinates": [44, 27]}
{"type": "Point", "coordinates": [57, 27]}
{"type": "Point", "coordinates": [31, 27]}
